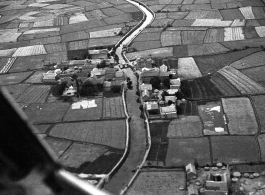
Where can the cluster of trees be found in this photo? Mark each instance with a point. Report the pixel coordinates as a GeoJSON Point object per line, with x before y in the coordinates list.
{"type": "Point", "coordinates": [156, 81]}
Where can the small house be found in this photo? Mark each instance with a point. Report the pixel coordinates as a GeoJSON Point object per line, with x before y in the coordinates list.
{"type": "Point", "coordinates": [147, 87]}
{"type": "Point", "coordinates": [175, 83]}
{"type": "Point", "coordinates": [216, 184]}
{"type": "Point", "coordinates": [49, 77]}
{"type": "Point", "coordinates": [163, 68]}
{"type": "Point", "coordinates": [145, 95]}
{"type": "Point", "coordinates": [191, 171]}
{"type": "Point", "coordinates": [172, 91]}
{"type": "Point", "coordinates": [168, 111]}
{"type": "Point", "coordinates": [152, 108]}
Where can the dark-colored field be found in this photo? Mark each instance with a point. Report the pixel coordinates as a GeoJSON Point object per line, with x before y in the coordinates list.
{"type": "Point", "coordinates": [99, 166]}
{"type": "Point", "coordinates": [158, 132]}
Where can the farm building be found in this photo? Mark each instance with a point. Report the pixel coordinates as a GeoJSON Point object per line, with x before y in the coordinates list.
{"type": "Point", "coordinates": [145, 95]}
{"type": "Point", "coordinates": [168, 111]}
{"type": "Point", "coordinates": [216, 184]}
{"type": "Point", "coordinates": [163, 68]}
{"type": "Point", "coordinates": [152, 108]}
{"type": "Point", "coordinates": [175, 83]}
{"type": "Point", "coordinates": [146, 87]}
{"type": "Point", "coordinates": [191, 171]}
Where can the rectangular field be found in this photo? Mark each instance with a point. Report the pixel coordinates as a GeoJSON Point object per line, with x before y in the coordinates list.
{"type": "Point", "coordinates": [240, 115]}
{"type": "Point", "coordinates": [153, 182]}
{"type": "Point", "coordinates": [34, 94]}
{"type": "Point", "coordinates": [110, 132]}
{"type": "Point", "coordinates": [234, 149]}
{"type": "Point", "coordinates": [213, 118]}
{"type": "Point", "coordinates": [79, 154]}
{"type": "Point", "coordinates": [258, 102]}
{"type": "Point", "coordinates": [91, 113]}
{"type": "Point", "coordinates": [189, 126]}
{"type": "Point", "coordinates": [113, 108]}
{"type": "Point", "coordinates": [184, 151]}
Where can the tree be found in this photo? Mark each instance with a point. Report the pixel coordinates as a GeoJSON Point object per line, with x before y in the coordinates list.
{"type": "Point", "coordinates": [102, 64]}
{"type": "Point", "coordinates": [88, 88]}
{"type": "Point", "coordinates": [155, 82]}
{"type": "Point", "coordinates": [116, 89]}
{"type": "Point", "coordinates": [166, 83]}
{"type": "Point", "coordinates": [58, 89]}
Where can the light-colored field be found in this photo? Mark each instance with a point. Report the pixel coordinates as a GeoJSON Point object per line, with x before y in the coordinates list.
{"type": "Point", "coordinates": [233, 34]}
{"type": "Point", "coordinates": [189, 126]}
{"type": "Point", "coordinates": [158, 182]}
{"type": "Point", "coordinates": [187, 68]}
{"type": "Point", "coordinates": [169, 38]}
{"type": "Point", "coordinates": [240, 109]}
{"type": "Point", "coordinates": [109, 133]}
{"type": "Point", "coordinates": [30, 51]}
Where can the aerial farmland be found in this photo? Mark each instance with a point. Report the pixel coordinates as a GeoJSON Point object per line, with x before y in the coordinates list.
{"type": "Point", "coordinates": [142, 96]}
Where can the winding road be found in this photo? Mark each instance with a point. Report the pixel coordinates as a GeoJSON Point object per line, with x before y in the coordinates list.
{"type": "Point", "coordinates": [139, 149]}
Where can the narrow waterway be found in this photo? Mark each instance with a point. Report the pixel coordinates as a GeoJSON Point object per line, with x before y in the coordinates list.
{"type": "Point", "coordinates": [138, 138]}
{"type": "Point", "coordinates": [148, 17]}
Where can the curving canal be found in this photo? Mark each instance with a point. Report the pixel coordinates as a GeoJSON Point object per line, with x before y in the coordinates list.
{"type": "Point", "coordinates": [148, 17]}
{"type": "Point", "coordinates": [139, 147]}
